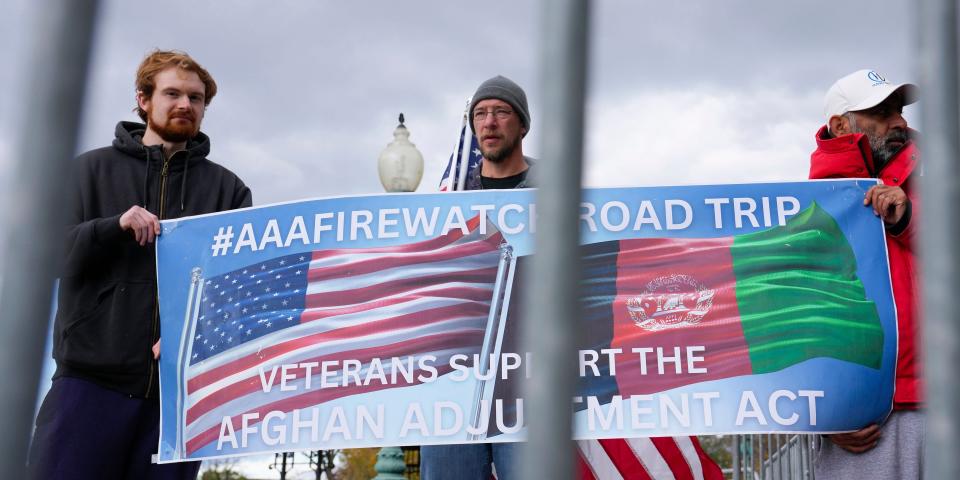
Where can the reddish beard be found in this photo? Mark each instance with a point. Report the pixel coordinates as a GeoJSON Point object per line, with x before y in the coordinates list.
{"type": "Point", "coordinates": [174, 132]}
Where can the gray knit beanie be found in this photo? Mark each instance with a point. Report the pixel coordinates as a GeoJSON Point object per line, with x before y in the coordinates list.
{"type": "Point", "coordinates": [502, 88]}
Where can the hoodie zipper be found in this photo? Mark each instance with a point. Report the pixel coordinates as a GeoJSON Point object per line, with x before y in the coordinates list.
{"type": "Point", "coordinates": [164, 172]}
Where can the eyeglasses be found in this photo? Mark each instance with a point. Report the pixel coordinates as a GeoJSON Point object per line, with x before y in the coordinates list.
{"type": "Point", "coordinates": [498, 113]}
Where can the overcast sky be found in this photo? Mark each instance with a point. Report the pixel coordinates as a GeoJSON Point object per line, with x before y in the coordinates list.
{"type": "Point", "coordinates": [678, 92]}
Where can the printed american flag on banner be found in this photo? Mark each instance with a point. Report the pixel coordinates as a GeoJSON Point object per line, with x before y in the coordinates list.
{"type": "Point", "coordinates": [659, 458]}
{"type": "Point", "coordinates": [430, 297]}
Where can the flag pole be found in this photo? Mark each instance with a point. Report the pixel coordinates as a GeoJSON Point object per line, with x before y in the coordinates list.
{"type": "Point", "coordinates": [55, 72]}
{"type": "Point", "coordinates": [492, 334]}
{"type": "Point", "coordinates": [939, 229]}
{"type": "Point", "coordinates": [455, 156]}
{"type": "Point", "coordinates": [183, 360]}
{"type": "Point", "coordinates": [552, 292]}
{"type": "Point", "coordinates": [465, 142]}
{"type": "Point", "coordinates": [499, 335]}
{"type": "Point", "coordinates": [451, 179]}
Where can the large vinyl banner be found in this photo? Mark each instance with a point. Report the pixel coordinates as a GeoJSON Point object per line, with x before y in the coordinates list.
{"type": "Point", "coordinates": [395, 319]}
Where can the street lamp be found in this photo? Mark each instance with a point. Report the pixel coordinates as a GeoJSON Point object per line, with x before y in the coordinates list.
{"type": "Point", "coordinates": [401, 168]}
{"type": "Point", "coordinates": [400, 164]}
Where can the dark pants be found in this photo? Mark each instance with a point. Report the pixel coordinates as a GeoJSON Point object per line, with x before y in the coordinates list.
{"type": "Point", "coordinates": [469, 461]}
{"type": "Point", "coordinates": [86, 431]}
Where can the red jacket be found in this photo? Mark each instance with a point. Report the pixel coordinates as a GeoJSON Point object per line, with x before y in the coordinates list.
{"type": "Point", "coordinates": [849, 156]}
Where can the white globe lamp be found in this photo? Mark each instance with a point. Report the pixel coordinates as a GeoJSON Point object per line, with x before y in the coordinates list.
{"type": "Point", "coordinates": [400, 164]}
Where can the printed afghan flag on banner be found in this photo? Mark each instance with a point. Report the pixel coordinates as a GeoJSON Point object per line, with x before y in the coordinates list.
{"type": "Point", "coordinates": [758, 303]}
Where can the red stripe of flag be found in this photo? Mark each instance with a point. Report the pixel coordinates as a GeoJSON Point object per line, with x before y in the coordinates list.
{"type": "Point", "coordinates": [420, 258]}
{"type": "Point", "coordinates": [394, 287]}
{"type": "Point", "coordinates": [624, 458]}
{"type": "Point", "coordinates": [410, 320]}
{"type": "Point", "coordinates": [430, 343]}
{"type": "Point", "coordinates": [668, 449]}
{"type": "Point", "coordinates": [586, 473]}
{"type": "Point", "coordinates": [711, 471]}
{"type": "Point", "coordinates": [473, 294]}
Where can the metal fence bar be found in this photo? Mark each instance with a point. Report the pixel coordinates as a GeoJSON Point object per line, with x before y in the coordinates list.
{"type": "Point", "coordinates": [56, 75]}
{"type": "Point", "coordinates": [804, 455]}
{"type": "Point", "coordinates": [737, 443]}
{"type": "Point", "coordinates": [775, 457]}
{"type": "Point", "coordinates": [791, 441]}
{"type": "Point", "coordinates": [783, 450]}
{"type": "Point", "coordinates": [761, 440]}
{"type": "Point", "coordinates": [940, 227]}
{"type": "Point", "coordinates": [767, 468]}
{"type": "Point", "coordinates": [552, 301]}
{"type": "Point", "coordinates": [772, 456]}
{"type": "Point", "coordinates": [764, 442]}
{"type": "Point", "coordinates": [779, 457]}
{"type": "Point", "coordinates": [743, 459]}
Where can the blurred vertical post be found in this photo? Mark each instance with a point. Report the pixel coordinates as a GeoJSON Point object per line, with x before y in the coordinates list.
{"type": "Point", "coordinates": [55, 69]}
{"type": "Point", "coordinates": [551, 298]}
{"type": "Point", "coordinates": [940, 229]}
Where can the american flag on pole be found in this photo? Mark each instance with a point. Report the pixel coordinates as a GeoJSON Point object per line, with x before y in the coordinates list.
{"type": "Point", "coordinates": [463, 160]}
{"type": "Point", "coordinates": [400, 302]}
{"type": "Point", "coordinates": [659, 458]}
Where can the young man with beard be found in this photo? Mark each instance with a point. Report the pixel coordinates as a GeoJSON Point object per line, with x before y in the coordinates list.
{"type": "Point", "coordinates": [867, 136]}
{"type": "Point", "coordinates": [100, 418]}
{"type": "Point", "coordinates": [499, 118]}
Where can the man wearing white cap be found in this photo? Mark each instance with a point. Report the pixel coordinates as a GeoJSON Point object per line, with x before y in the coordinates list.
{"type": "Point", "coordinates": [867, 136]}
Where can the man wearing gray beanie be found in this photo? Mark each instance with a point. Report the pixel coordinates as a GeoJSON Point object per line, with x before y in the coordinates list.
{"type": "Point", "coordinates": [499, 118]}
{"type": "Point", "coordinates": [502, 88]}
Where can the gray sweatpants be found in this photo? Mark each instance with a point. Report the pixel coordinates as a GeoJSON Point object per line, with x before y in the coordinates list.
{"type": "Point", "coordinates": [898, 454]}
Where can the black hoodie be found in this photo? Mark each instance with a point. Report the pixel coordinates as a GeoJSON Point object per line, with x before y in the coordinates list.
{"type": "Point", "coordinates": [107, 318]}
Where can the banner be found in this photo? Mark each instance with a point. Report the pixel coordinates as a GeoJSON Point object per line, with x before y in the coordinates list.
{"type": "Point", "coordinates": [395, 319]}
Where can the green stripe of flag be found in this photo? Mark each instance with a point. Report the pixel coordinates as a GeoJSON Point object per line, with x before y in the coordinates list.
{"type": "Point", "coordinates": [799, 295]}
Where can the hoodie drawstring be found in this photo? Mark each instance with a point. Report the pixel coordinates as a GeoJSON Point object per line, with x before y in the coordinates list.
{"type": "Point", "coordinates": [183, 183]}
{"type": "Point", "coordinates": [146, 177]}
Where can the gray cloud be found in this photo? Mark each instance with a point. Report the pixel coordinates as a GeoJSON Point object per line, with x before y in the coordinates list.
{"type": "Point", "coordinates": [746, 44]}
{"type": "Point", "coordinates": [309, 93]}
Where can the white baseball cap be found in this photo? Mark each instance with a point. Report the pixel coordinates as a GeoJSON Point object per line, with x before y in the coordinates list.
{"type": "Point", "coordinates": [861, 90]}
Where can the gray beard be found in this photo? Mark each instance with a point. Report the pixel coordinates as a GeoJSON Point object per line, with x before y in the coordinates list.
{"type": "Point", "coordinates": [881, 150]}
{"type": "Point", "coordinates": [498, 156]}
